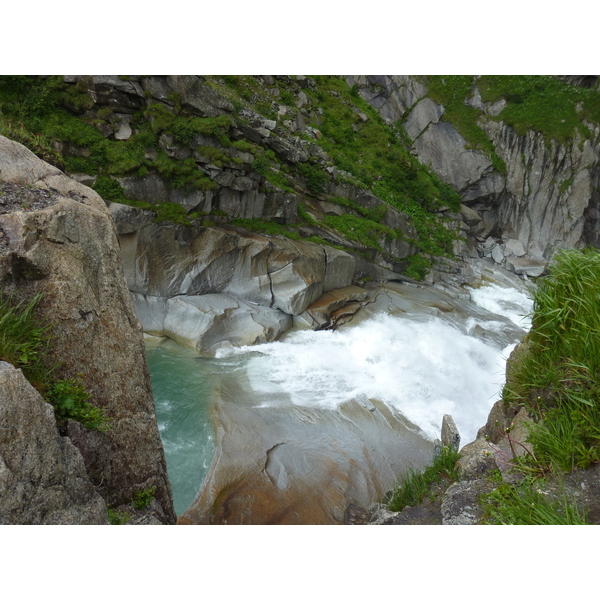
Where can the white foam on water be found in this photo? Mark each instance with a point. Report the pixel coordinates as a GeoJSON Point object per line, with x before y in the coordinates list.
{"type": "Point", "coordinates": [425, 369]}
{"type": "Point", "coordinates": [508, 302]}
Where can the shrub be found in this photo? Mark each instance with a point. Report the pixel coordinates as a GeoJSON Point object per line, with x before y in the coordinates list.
{"type": "Point", "coordinates": [70, 400]}
{"type": "Point", "coordinates": [143, 498]}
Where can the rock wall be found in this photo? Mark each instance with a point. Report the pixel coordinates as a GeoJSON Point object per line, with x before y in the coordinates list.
{"type": "Point", "coordinates": [547, 199]}
{"type": "Point", "coordinates": [66, 248]}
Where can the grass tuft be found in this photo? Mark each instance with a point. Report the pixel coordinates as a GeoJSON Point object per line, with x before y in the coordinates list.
{"type": "Point", "coordinates": [415, 485]}
{"type": "Point", "coordinates": [557, 376]}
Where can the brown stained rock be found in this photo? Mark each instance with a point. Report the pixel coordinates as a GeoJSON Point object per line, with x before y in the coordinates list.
{"type": "Point", "coordinates": [69, 252]}
{"type": "Point", "coordinates": [322, 310]}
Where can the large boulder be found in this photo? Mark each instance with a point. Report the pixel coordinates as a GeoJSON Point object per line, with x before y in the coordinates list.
{"type": "Point", "coordinates": [43, 480]}
{"type": "Point", "coordinates": [67, 250]}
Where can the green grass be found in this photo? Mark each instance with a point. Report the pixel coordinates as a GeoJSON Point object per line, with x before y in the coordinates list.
{"type": "Point", "coordinates": [25, 343]}
{"type": "Point", "coordinates": [541, 103]}
{"type": "Point", "coordinates": [557, 377]}
{"type": "Point", "coordinates": [415, 486]}
{"type": "Point", "coordinates": [525, 504]}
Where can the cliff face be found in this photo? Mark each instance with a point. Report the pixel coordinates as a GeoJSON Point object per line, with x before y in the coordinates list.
{"type": "Point", "coordinates": [66, 248]}
{"type": "Point", "coordinates": [545, 195]}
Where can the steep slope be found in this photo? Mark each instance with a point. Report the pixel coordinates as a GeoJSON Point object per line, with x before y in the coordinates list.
{"type": "Point", "coordinates": [523, 152]}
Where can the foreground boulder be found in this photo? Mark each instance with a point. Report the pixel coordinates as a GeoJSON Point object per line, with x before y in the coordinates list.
{"type": "Point", "coordinates": [43, 480]}
{"type": "Point", "coordinates": [65, 247]}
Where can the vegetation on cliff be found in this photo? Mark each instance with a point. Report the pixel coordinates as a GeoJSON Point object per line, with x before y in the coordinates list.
{"type": "Point", "coordinates": [60, 122]}
{"type": "Point", "coordinates": [557, 374]}
{"type": "Point", "coordinates": [540, 103]}
{"type": "Point", "coordinates": [25, 343]}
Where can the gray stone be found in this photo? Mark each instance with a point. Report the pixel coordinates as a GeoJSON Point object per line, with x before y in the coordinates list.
{"type": "Point", "coordinates": [218, 321]}
{"type": "Point", "coordinates": [130, 218]}
{"type": "Point", "coordinates": [426, 111]}
{"type": "Point", "coordinates": [477, 459]}
{"type": "Point", "coordinates": [95, 330]}
{"type": "Point", "coordinates": [469, 216]}
{"type": "Point", "coordinates": [43, 480]}
{"type": "Point", "coordinates": [442, 148]}
{"type": "Point", "coordinates": [497, 254]}
{"type": "Point", "coordinates": [450, 435]}
{"type": "Point", "coordinates": [513, 247]}
{"type": "Point", "coordinates": [526, 266]}
{"type": "Point", "coordinates": [124, 132]}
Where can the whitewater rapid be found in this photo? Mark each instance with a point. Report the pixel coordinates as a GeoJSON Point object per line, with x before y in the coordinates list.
{"type": "Point", "coordinates": [423, 366]}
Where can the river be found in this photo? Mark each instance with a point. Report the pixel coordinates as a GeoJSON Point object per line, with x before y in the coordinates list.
{"type": "Point", "coordinates": [422, 365]}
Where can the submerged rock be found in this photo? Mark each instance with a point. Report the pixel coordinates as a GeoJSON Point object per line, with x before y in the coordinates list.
{"type": "Point", "coordinates": [278, 463]}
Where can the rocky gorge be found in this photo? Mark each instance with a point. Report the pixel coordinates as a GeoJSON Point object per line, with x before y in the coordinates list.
{"type": "Point", "coordinates": [224, 214]}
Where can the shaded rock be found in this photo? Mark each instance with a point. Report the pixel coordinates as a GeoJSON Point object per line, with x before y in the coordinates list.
{"type": "Point", "coordinates": [461, 502]}
{"type": "Point", "coordinates": [318, 314]}
{"type": "Point", "coordinates": [477, 459]}
{"type": "Point", "coordinates": [43, 480]}
{"type": "Point", "coordinates": [129, 218]}
{"type": "Point", "coordinates": [450, 435]}
{"type": "Point", "coordinates": [470, 217]}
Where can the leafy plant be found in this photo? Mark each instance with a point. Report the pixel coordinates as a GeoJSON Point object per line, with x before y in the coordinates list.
{"type": "Point", "coordinates": [117, 518]}
{"type": "Point", "coordinates": [70, 400]}
{"type": "Point", "coordinates": [142, 498]}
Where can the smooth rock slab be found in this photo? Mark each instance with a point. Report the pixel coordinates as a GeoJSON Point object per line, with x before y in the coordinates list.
{"type": "Point", "coordinates": [278, 463]}
{"type": "Point", "coordinates": [525, 266]}
{"type": "Point", "coordinates": [211, 321]}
